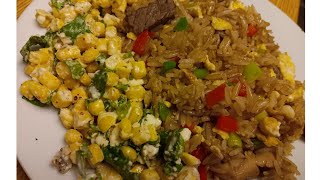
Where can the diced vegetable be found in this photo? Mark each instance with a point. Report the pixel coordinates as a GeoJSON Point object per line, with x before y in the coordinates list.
{"type": "Point", "coordinates": [164, 111]}
{"type": "Point", "coordinates": [58, 3]}
{"type": "Point", "coordinates": [234, 140]}
{"type": "Point", "coordinates": [182, 24]}
{"type": "Point", "coordinates": [200, 153]}
{"type": "Point", "coordinates": [227, 123]}
{"type": "Point", "coordinates": [257, 144]}
{"type": "Point", "coordinates": [175, 146]}
{"type": "Point", "coordinates": [75, 68]}
{"type": "Point", "coordinates": [139, 45]}
{"type": "Point", "coordinates": [75, 27]}
{"type": "Point", "coordinates": [203, 172]}
{"type": "Point", "coordinates": [122, 87]}
{"type": "Point", "coordinates": [99, 81]}
{"type": "Point", "coordinates": [172, 167]}
{"type": "Point", "coordinates": [252, 72]}
{"type": "Point", "coordinates": [35, 102]}
{"type": "Point", "coordinates": [82, 155]}
{"type": "Point", "coordinates": [243, 88]}
{"type": "Point", "coordinates": [261, 116]}
{"type": "Point", "coordinates": [115, 157]}
{"type": "Point", "coordinates": [101, 59]}
{"type": "Point", "coordinates": [123, 107]}
{"type": "Point", "coordinates": [201, 73]}
{"type": "Point", "coordinates": [127, 55]}
{"type": "Point", "coordinates": [168, 65]}
{"type": "Point", "coordinates": [252, 30]}
{"type": "Point", "coordinates": [215, 96]}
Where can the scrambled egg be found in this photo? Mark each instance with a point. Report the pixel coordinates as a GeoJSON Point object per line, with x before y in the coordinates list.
{"type": "Point", "coordinates": [272, 73]}
{"type": "Point", "coordinates": [270, 126]}
{"type": "Point", "coordinates": [287, 67]}
{"type": "Point", "coordinates": [220, 24]}
{"type": "Point", "coordinates": [296, 94]}
{"type": "Point", "coordinates": [195, 10]}
{"type": "Point", "coordinates": [236, 5]}
{"type": "Point", "coordinates": [261, 48]}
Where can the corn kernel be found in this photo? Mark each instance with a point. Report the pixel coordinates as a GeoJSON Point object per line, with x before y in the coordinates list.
{"type": "Point", "coordinates": [153, 133]}
{"type": "Point", "coordinates": [126, 128]}
{"type": "Point", "coordinates": [167, 103]}
{"type": "Point", "coordinates": [42, 93]}
{"type": "Point", "coordinates": [129, 152]}
{"type": "Point", "coordinates": [139, 70]}
{"type": "Point", "coordinates": [92, 67]}
{"type": "Point", "coordinates": [43, 18]}
{"type": "Point", "coordinates": [136, 93]}
{"type": "Point", "coordinates": [24, 89]}
{"type": "Point", "coordinates": [95, 14]}
{"type": "Point", "coordinates": [112, 93]}
{"type": "Point", "coordinates": [114, 45]}
{"type": "Point", "coordinates": [63, 70]}
{"type": "Point", "coordinates": [73, 136]}
{"type": "Point", "coordinates": [113, 79]}
{"type": "Point", "coordinates": [81, 119]}
{"type": "Point", "coordinates": [96, 154]}
{"type": "Point", "coordinates": [48, 79]}
{"type": "Point", "coordinates": [136, 112]}
{"type": "Point", "coordinates": [131, 36]}
{"type": "Point", "coordinates": [148, 174]}
{"type": "Point", "coordinates": [138, 168]}
{"type": "Point", "coordinates": [85, 79]}
{"type": "Point", "coordinates": [71, 83]}
{"type": "Point", "coordinates": [96, 107]}
{"type": "Point", "coordinates": [75, 146]}
{"type": "Point", "coordinates": [29, 69]}
{"type": "Point", "coordinates": [86, 41]}
{"type": "Point", "coordinates": [98, 29]}
{"type": "Point", "coordinates": [111, 20]}
{"type": "Point", "coordinates": [79, 93]}
{"type": "Point", "coordinates": [140, 135]}
{"type": "Point", "coordinates": [79, 105]}
{"type": "Point", "coordinates": [89, 55]}
{"type": "Point", "coordinates": [66, 118]}
{"type": "Point", "coordinates": [106, 120]}
{"type": "Point", "coordinates": [42, 56]}
{"type": "Point", "coordinates": [197, 130]}
{"type": "Point", "coordinates": [190, 160]}
{"type": "Point", "coordinates": [62, 98]}
{"type": "Point", "coordinates": [67, 53]}
{"type": "Point", "coordinates": [111, 31]}
{"type": "Point", "coordinates": [107, 172]}
{"type": "Point", "coordinates": [102, 45]}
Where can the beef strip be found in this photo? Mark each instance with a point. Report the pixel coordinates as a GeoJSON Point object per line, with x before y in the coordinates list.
{"type": "Point", "coordinates": [149, 17]}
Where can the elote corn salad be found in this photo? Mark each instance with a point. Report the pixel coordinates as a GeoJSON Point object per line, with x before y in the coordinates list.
{"type": "Point", "coordinates": [113, 84]}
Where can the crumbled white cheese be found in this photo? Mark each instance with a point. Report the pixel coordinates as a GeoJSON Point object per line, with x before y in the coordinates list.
{"type": "Point", "coordinates": [82, 7]}
{"type": "Point", "coordinates": [149, 151]}
{"type": "Point", "coordinates": [151, 120]}
{"type": "Point", "coordinates": [114, 138]}
{"type": "Point", "coordinates": [186, 134]}
{"type": "Point", "coordinates": [113, 61]}
{"type": "Point", "coordinates": [95, 94]}
{"type": "Point", "coordinates": [100, 140]}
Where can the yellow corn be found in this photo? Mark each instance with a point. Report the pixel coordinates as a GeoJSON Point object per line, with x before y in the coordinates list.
{"type": "Point", "coordinates": [73, 136]}
{"type": "Point", "coordinates": [197, 130]}
{"type": "Point", "coordinates": [129, 152]}
{"type": "Point", "coordinates": [85, 79]}
{"type": "Point", "coordinates": [81, 119]}
{"type": "Point", "coordinates": [139, 70]}
{"type": "Point", "coordinates": [98, 29]}
{"type": "Point", "coordinates": [140, 135]}
{"type": "Point", "coordinates": [82, 7]}
{"type": "Point", "coordinates": [136, 93]}
{"type": "Point", "coordinates": [79, 105]}
{"type": "Point", "coordinates": [75, 146]}
{"type": "Point", "coordinates": [43, 18]}
{"type": "Point", "coordinates": [86, 41]}
{"type": "Point", "coordinates": [111, 31]}
{"type": "Point", "coordinates": [71, 83]}
{"type": "Point", "coordinates": [89, 55]}
{"type": "Point", "coordinates": [96, 107]}
{"type": "Point", "coordinates": [55, 12]}
{"type": "Point", "coordinates": [92, 67]}
{"type": "Point", "coordinates": [106, 120]}
{"type": "Point", "coordinates": [67, 53]}
{"type": "Point", "coordinates": [107, 172]}
{"type": "Point", "coordinates": [136, 111]}
{"type": "Point", "coordinates": [122, 71]}
{"type": "Point", "coordinates": [25, 91]}
{"type": "Point", "coordinates": [48, 79]}
{"type": "Point", "coordinates": [42, 93]}
{"type": "Point", "coordinates": [113, 79]}
{"type": "Point", "coordinates": [112, 93]}
{"type": "Point", "coordinates": [122, 5]}
{"type": "Point", "coordinates": [66, 118]}
{"type": "Point", "coordinates": [68, 14]}
{"type": "Point", "coordinates": [63, 70]}
{"type": "Point", "coordinates": [111, 20]}
{"type": "Point", "coordinates": [41, 56]}
{"type": "Point", "coordinates": [95, 14]}
{"type": "Point", "coordinates": [96, 154]}
{"type": "Point", "coordinates": [149, 174]}
{"type": "Point", "coordinates": [79, 93]}
{"type": "Point", "coordinates": [153, 133]}
{"type": "Point", "coordinates": [114, 45]}
{"type": "Point", "coordinates": [56, 24]}
{"type": "Point", "coordinates": [62, 98]}
{"type": "Point", "coordinates": [126, 128]}
{"type": "Point", "coordinates": [131, 36]}
{"type": "Point", "coordinates": [167, 103]}
{"type": "Point", "coordinates": [102, 45]}
{"type": "Point", "coordinates": [190, 160]}
{"type": "Point", "coordinates": [138, 168]}
{"type": "Point", "coordinates": [29, 69]}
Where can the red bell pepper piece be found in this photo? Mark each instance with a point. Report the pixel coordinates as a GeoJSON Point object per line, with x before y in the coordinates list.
{"type": "Point", "coordinates": [200, 153]}
{"type": "Point", "coordinates": [203, 172]}
{"type": "Point", "coordinates": [227, 123]}
{"type": "Point", "coordinates": [139, 45]}
{"type": "Point", "coordinates": [252, 30]}
{"type": "Point", "coordinates": [216, 95]}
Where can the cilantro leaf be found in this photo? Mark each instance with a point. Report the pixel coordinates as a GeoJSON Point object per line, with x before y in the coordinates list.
{"type": "Point", "coordinates": [75, 27]}
{"type": "Point", "coordinates": [76, 69]}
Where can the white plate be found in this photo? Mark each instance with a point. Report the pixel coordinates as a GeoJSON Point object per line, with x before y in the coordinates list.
{"type": "Point", "coordinates": [40, 133]}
